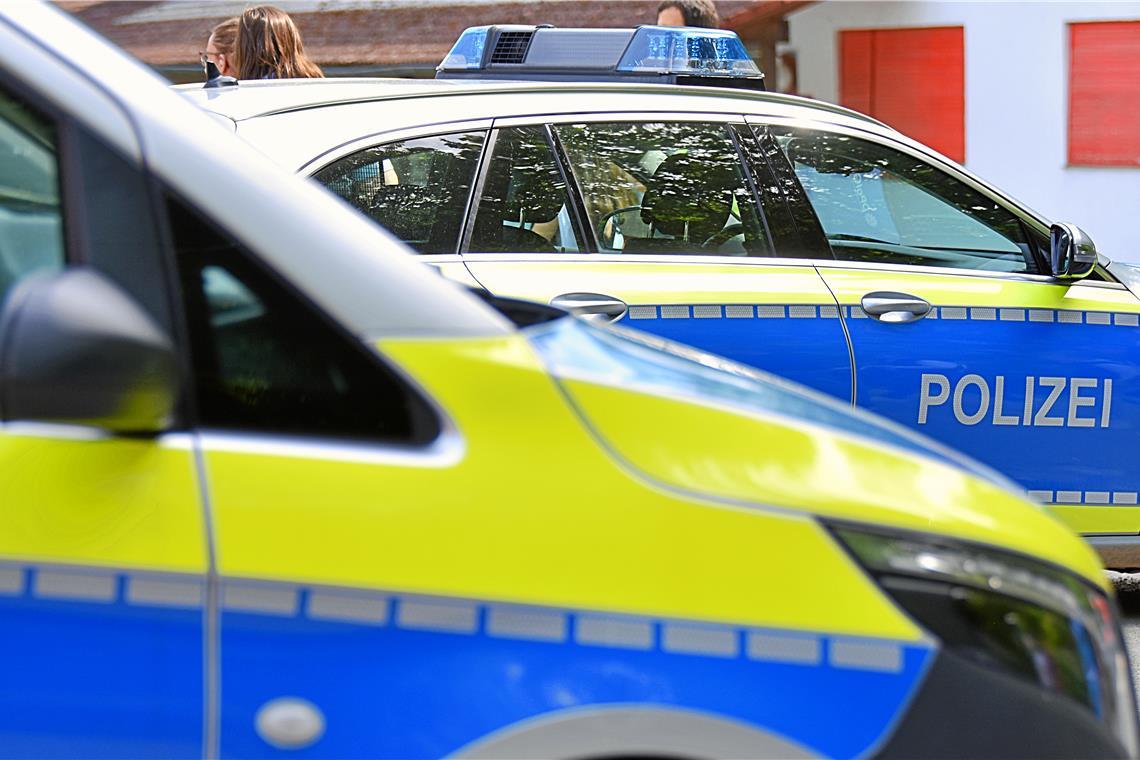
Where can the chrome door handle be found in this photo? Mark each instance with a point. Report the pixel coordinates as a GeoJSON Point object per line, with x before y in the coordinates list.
{"type": "Point", "coordinates": [591, 306]}
{"type": "Point", "coordinates": [896, 308]}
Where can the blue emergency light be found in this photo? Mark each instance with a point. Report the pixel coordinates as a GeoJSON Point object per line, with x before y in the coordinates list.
{"type": "Point", "coordinates": [661, 54]}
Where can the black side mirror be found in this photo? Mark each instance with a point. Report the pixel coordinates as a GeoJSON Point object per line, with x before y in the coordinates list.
{"type": "Point", "coordinates": [1072, 253]}
{"type": "Point", "coordinates": [75, 348]}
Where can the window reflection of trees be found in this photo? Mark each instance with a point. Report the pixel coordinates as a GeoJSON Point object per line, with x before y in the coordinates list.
{"type": "Point", "coordinates": [417, 189]}
{"type": "Point", "coordinates": [680, 181]}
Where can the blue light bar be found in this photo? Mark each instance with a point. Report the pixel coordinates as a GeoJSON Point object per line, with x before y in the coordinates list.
{"type": "Point", "coordinates": [467, 52]}
{"type": "Point", "coordinates": [687, 50]}
{"type": "Point", "coordinates": [650, 54]}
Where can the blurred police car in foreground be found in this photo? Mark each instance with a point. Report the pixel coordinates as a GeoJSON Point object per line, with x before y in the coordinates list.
{"type": "Point", "coordinates": [267, 485]}
{"type": "Point", "coordinates": [788, 234]}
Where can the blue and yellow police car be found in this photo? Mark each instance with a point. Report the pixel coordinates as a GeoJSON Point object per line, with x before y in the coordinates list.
{"type": "Point", "coordinates": [792, 235]}
{"type": "Point", "coordinates": [269, 487]}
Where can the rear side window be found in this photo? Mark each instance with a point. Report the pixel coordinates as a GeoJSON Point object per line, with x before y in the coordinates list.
{"type": "Point", "coordinates": [31, 214]}
{"type": "Point", "coordinates": [524, 206]}
{"type": "Point", "coordinates": [664, 188]}
{"type": "Point", "coordinates": [417, 189]}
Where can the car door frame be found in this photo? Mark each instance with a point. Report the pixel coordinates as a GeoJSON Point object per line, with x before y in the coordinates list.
{"type": "Point", "coordinates": [590, 254]}
{"type": "Point", "coordinates": [1071, 509]}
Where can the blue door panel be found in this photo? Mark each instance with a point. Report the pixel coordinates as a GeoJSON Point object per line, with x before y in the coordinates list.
{"type": "Point", "coordinates": [391, 691]}
{"type": "Point", "coordinates": [803, 343]}
{"type": "Point", "coordinates": [1082, 380]}
{"type": "Point", "coordinates": [103, 678]}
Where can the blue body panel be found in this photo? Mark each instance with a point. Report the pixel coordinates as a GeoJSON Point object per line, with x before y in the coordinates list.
{"type": "Point", "coordinates": [99, 678]}
{"type": "Point", "coordinates": [391, 691]}
{"type": "Point", "coordinates": [809, 350]}
{"type": "Point", "coordinates": [1068, 453]}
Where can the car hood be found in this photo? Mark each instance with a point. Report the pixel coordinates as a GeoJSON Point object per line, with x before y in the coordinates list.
{"type": "Point", "coordinates": [695, 423]}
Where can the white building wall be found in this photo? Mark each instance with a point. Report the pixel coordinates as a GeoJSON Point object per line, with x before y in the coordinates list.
{"type": "Point", "coordinates": [1017, 74]}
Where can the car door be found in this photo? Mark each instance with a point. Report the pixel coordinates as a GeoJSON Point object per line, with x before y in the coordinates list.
{"type": "Point", "coordinates": [556, 216]}
{"type": "Point", "coordinates": [654, 223]}
{"type": "Point", "coordinates": [103, 549]}
{"type": "Point", "coordinates": [957, 331]}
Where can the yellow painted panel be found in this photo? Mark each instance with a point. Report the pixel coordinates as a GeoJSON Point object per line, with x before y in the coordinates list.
{"type": "Point", "coordinates": [850, 285]}
{"type": "Point", "coordinates": [534, 511]}
{"type": "Point", "coordinates": [696, 447]}
{"type": "Point", "coordinates": [1111, 519]}
{"type": "Point", "coordinates": [454, 270]}
{"type": "Point", "coordinates": [112, 502]}
{"type": "Point", "coordinates": [640, 283]}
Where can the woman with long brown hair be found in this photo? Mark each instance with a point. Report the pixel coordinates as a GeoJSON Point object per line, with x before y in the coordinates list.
{"type": "Point", "coordinates": [269, 46]}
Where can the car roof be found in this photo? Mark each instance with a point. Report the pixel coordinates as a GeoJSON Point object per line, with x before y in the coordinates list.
{"type": "Point", "coordinates": [253, 99]}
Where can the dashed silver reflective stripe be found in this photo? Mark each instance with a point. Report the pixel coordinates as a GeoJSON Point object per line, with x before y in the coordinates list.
{"type": "Point", "coordinates": [827, 311]}
{"type": "Point", "coordinates": [1006, 314]}
{"type": "Point", "coordinates": [735, 311]}
{"type": "Point", "coordinates": [463, 617]}
{"type": "Point", "coordinates": [102, 586]}
{"type": "Point", "coordinates": [1091, 498]}
{"type": "Point", "coordinates": [582, 628]}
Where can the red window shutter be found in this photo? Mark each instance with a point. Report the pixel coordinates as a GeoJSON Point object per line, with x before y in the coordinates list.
{"type": "Point", "coordinates": [912, 79]}
{"type": "Point", "coordinates": [855, 70]}
{"type": "Point", "coordinates": [1104, 93]}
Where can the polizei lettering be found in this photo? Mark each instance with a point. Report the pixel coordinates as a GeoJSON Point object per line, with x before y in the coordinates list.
{"type": "Point", "coordinates": [1076, 402]}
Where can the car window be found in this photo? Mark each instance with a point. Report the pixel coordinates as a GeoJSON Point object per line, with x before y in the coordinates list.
{"type": "Point", "coordinates": [266, 361]}
{"type": "Point", "coordinates": [662, 187]}
{"type": "Point", "coordinates": [417, 189]}
{"type": "Point", "coordinates": [31, 215]}
{"type": "Point", "coordinates": [524, 206]}
{"type": "Point", "coordinates": [881, 205]}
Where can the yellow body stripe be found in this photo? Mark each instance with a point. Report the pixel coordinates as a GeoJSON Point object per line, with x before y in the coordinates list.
{"type": "Point", "coordinates": [112, 502]}
{"type": "Point", "coordinates": [534, 512]}
{"type": "Point", "coordinates": [637, 282]}
{"type": "Point", "coordinates": [850, 285]}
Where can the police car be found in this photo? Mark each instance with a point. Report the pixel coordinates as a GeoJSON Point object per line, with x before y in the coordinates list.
{"type": "Point", "coordinates": [269, 487]}
{"type": "Point", "coordinates": [788, 234]}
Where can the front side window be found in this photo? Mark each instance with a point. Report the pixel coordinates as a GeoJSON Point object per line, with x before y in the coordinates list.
{"type": "Point", "coordinates": [31, 215]}
{"type": "Point", "coordinates": [524, 207]}
{"type": "Point", "coordinates": [657, 187]}
{"type": "Point", "coordinates": [417, 189]}
{"type": "Point", "coordinates": [266, 361]}
{"type": "Point", "coordinates": [877, 204]}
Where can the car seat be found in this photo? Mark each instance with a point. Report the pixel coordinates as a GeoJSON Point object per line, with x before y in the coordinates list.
{"type": "Point", "coordinates": [689, 199]}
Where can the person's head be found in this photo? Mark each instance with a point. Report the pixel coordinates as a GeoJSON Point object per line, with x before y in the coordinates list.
{"type": "Point", "coordinates": [221, 45]}
{"type": "Point", "coordinates": [688, 13]}
{"type": "Point", "coordinates": [269, 46]}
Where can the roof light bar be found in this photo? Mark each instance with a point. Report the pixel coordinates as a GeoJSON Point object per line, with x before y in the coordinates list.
{"type": "Point", "coordinates": [659, 54]}
{"type": "Point", "coordinates": [682, 50]}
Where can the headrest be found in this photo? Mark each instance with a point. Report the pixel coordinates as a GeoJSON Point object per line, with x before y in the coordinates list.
{"type": "Point", "coordinates": [535, 193]}
{"type": "Point", "coordinates": [690, 194]}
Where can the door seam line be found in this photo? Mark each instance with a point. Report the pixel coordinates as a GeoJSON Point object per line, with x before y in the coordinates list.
{"type": "Point", "coordinates": [846, 335]}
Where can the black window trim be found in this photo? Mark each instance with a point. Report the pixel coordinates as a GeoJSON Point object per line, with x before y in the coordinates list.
{"type": "Point", "coordinates": [749, 169]}
{"type": "Point", "coordinates": [481, 172]}
{"type": "Point", "coordinates": [588, 241]}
